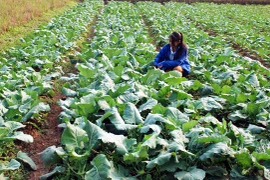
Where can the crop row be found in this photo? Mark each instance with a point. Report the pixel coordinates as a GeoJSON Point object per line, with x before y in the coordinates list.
{"type": "Point", "coordinates": [215, 63]}
{"type": "Point", "coordinates": [245, 15]}
{"type": "Point", "coordinates": [236, 82]}
{"type": "Point", "coordinates": [243, 26]}
{"type": "Point", "coordinates": [28, 70]}
{"type": "Point", "coordinates": [104, 91]}
{"type": "Point", "coordinates": [243, 2]}
{"type": "Point", "coordinates": [122, 120]}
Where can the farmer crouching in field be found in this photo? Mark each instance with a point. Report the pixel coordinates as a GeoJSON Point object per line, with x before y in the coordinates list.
{"type": "Point", "coordinates": [174, 56]}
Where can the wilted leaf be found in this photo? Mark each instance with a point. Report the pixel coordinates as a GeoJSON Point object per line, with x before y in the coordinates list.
{"type": "Point", "coordinates": [56, 170]}
{"type": "Point", "coordinates": [25, 158]}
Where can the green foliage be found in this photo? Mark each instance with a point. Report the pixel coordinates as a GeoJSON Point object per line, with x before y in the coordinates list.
{"type": "Point", "coordinates": [124, 122]}
{"type": "Point", "coordinates": [28, 70]}
{"type": "Point", "coordinates": [193, 174]}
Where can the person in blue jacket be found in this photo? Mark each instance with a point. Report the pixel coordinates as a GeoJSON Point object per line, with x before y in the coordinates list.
{"type": "Point", "coordinates": [174, 56]}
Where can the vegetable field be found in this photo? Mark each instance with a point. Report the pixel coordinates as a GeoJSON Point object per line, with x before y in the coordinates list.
{"type": "Point", "coordinates": [124, 120]}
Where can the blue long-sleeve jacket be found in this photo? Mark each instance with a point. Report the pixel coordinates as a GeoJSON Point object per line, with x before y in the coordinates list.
{"type": "Point", "coordinates": [163, 59]}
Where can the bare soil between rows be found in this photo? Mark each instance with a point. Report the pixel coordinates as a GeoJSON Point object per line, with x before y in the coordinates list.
{"type": "Point", "coordinates": [49, 135]}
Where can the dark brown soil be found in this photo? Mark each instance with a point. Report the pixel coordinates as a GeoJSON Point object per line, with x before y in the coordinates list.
{"type": "Point", "coordinates": [247, 53]}
{"type": "Point", "coordinates": [49, 135]}
{"type": "Point", "coordinates": [151, 33]}
{"type": "Point", "coordinates": [211, 33]}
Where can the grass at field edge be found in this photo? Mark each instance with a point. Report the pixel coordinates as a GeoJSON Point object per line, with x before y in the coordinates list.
{"type": "Point", "coordinates": [11, 38]}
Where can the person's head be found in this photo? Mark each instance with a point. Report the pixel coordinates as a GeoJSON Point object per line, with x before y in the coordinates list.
{"type": "Point", "coordinates": [176, 39]}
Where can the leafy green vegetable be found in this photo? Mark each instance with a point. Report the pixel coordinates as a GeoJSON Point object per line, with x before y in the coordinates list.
{"type": "Point", "coordinates": [25, 158]}
{"type": "Point", "coordinates": [193, 174]}
{"type": "Point", "coordinates": [128, 120]}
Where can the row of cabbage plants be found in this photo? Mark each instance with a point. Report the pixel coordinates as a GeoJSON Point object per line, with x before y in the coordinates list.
{"type": "Point", "coordinates": [122, 121]}
{"type": "Point", "coordinates": [28, 71]}
{"type": "Point", "coordinates": [239, 84]}
{"type": "Point", "coordinates": [102, 118]}
{"type": "Point", "coordinates": [252, 17]}
{"type": "Point", "coordinates": [246, 26]}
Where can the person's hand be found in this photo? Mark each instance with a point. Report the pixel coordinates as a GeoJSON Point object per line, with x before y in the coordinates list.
{"type": "Point", "coordinates": [160, 65]}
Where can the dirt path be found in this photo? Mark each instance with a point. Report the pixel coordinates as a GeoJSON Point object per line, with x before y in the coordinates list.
{"type": "Point", "coordinates": [49, 135]}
